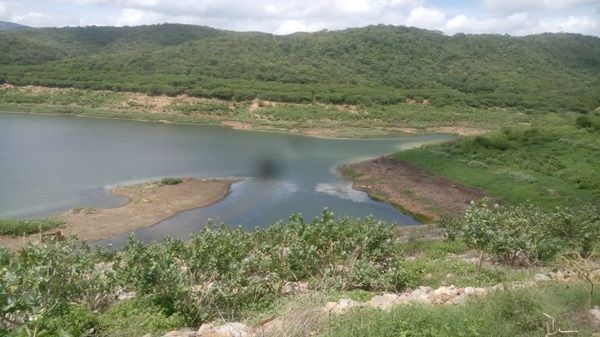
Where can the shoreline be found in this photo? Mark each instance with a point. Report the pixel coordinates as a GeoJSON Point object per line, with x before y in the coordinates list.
{"type": "Point", "coordinates": [244, 115]}
{"type": "Point", "coordinates": [387, 133]}
{"type": "Point", "coordinates": [411, 189]}
{"type": "Point", "coordinates": [148, 204]}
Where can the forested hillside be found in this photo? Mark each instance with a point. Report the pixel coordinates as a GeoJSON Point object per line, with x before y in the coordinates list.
{"type": "Point", "coordinates": [371, 65]}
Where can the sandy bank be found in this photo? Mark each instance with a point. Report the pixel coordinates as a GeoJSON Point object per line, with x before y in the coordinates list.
{"type": "Point", "coordinates": [411, 188]}
{"type": "Point", "coordinates": [149, 203]}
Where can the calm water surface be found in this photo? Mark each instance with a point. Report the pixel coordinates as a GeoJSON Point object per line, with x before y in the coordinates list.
{"type": "Point", "coordinates": [49, 164]}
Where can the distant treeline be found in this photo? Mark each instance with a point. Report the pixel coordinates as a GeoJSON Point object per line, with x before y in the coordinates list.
{"type": "Point", "coordinates": [372, 65]}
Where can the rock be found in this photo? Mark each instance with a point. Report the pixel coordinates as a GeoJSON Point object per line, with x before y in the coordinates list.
{"type": "Point", "coordinates": [122, 296]}
{"type": "Point", "coordinates": [340, 307]}
{"type": "Point", "coordinates": [295, 288]}
{"type": "Point", "coordinates": [418, 296]}
{"type": "Point", "coordinates": [182, 333]}
{"type": "Point", "coordinates": [595, 313]}
{"type": "Point", "coordinates": [226, 330]}
{"type": "Point", "coordinates": [426, 289]}
{"type": "Point", "coordinates": [541, 277]}
{"type": "Point", "coordinates": [449, 275]}
{"type": "Point", "coordinates": [469, 291]}
{"type": "Point", "coordinates": [460, 299]}
{"type": "Point", "coordinates": [444, 294]}
{"type": "Point", "coordinates": [383, 301]}
{"type": "Point", "coordinates": [272, 327]}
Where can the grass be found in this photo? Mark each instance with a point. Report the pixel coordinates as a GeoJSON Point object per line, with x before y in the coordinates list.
{"type": "Point", "coordinates": [504, 313]}
{"type": "Point", "coordinates": [18, 227]}
{"type": "Point", "coordinates": [548, 166]}
{"type": "Point", "coordinates": [335, 120]}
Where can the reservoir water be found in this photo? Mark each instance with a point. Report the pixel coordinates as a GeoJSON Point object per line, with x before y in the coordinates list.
{"type": "Point", "coordinates": [49, 164]}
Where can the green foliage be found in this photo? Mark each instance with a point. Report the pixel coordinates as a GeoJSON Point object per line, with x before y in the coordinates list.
{"type": "Point", "coordinates": [526, 234]}
{"type": "Point", "coordinates": [69, 321]}
{"type": "Point", "coordinates": [171, 181]}
{"type": "Point", "coordinates": [27, 227]}
{"type": "Point", "coordinates": [547, 166]}
{"type": "Point", "coordinates": [219, 273]}
{"type": "Point", "coordinates": [379, 65]}
{"type": "Point", "coordinates": [503, 313]}
{"type": "Point", "coordinates": [226, 271]}
{"type": "Point", "coordinates": [43, 281]}
{"type": "Point", "coordinates": [137, 318]}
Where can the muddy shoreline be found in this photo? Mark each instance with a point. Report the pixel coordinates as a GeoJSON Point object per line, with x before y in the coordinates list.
{"type": "Point", "coordinates": [149, 203]}
{"type": "Point", "coordinates": [414, 190]}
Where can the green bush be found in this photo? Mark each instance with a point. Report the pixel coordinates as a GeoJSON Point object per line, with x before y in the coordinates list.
{"type": "Point", "coordinates": [27, 227]}
{"type": "Point", "coordinates": [234, 270]}
{"type": "Point", "coordinates": [137, 318]}
{"type": "Point", "coordinates": [526, 234]}
{"type": "Point", "coordinates": [171, 181]}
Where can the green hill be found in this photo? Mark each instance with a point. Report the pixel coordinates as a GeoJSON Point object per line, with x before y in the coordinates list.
{"type": "Point", "coordinates": [10, 25]}
{"type": "Point", "coordinates": [370, 65]}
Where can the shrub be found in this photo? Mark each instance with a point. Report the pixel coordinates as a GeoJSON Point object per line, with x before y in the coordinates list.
{"type": "Point", "coordinates": [525, 234]}
{"type": "Point", "coordinates": [583, 122]}
{"type": "Point", "coordinates": [224, 270]}
{"type": "Point", "coordinates": [136, 318]}
{"type": "Point", "coordinates": [171, 181]}
{"type": "Point", "coordinates": [43, 281]}
{"type": "Point", "coordinates": [27, 227]}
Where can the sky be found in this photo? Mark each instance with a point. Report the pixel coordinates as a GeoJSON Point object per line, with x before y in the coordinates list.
{"type": "Point", "coordinates": [515, 17]}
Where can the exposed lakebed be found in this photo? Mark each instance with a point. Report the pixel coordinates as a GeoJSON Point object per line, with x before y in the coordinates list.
{"type": "Point", "coordinates": [50, 164]}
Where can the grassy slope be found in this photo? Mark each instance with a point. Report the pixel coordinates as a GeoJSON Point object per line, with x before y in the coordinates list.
{"type": "Point", "coordinates": [548, 166]}
{"type": "Point", "coordinates": [513, 313]}
{"type": "Point", "coordinates": [217, 252]}
{"type": "Point", "coordinates": [345, 120]}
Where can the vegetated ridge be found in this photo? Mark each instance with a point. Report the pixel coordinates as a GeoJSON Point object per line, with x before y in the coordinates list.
{"type": "Point", "coordinates": [10, 26]}
{"type": "Point", "coordinates": [379, 65]}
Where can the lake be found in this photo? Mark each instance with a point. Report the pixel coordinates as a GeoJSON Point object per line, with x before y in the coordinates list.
{"type": "Point", "coordinates": [49, 164]}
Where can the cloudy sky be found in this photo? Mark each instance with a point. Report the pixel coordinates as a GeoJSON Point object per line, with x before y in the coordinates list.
{"type": "Point", "coordinates": [516, 17]}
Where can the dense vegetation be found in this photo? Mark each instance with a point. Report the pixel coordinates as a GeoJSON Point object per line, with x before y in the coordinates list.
{"type": "Point", "coordinates": [548, 166]}
{"type": "Point", "coordinates": [19, 227]}
{"type": "Point", "coordinates": [67, 289]}
{"type": "Point", "coordinates": [219, 272]}
{"type": "Point", "coordinates": [340, 120]}
{"type": "Point", "coordinates": [379, 65]}
{"type": "Point", "coordinates": [525, 234]}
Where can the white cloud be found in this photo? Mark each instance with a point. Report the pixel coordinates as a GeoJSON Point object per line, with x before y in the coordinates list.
{"type": "Point", "coordinates": [515, 24]}
{"type": "Point", "coordinates": [517, 17]}
{"type": "Point", "coordinates": [513, 6]}
{"type": "Point", "coordinates": [424, 17]}
{"type": "Point", "coordinates": [3, 10]}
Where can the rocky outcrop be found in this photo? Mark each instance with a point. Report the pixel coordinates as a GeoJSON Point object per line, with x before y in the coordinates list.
{"type": "Point", "coordinates": [445, 295]}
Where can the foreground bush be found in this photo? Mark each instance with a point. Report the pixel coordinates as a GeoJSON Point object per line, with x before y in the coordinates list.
{"type": "Point", "coordinates": [526, 234]}
{"type": "Point", "coordinates": [220, 272]}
